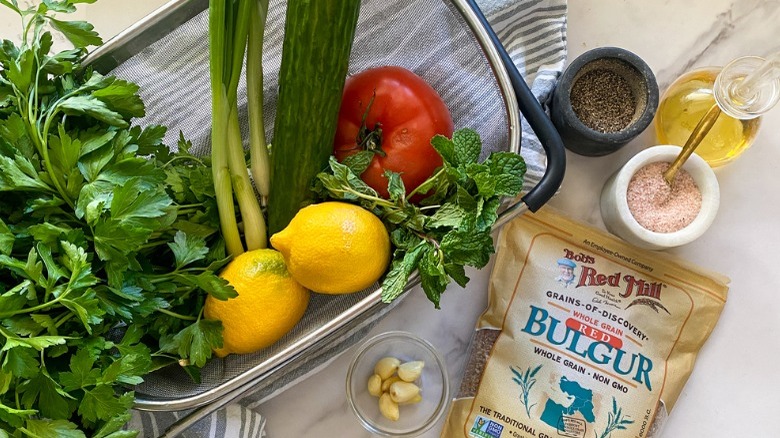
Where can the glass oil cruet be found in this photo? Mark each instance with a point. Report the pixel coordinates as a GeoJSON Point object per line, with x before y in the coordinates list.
{"type": "Point", "coordinates": [717, 110]}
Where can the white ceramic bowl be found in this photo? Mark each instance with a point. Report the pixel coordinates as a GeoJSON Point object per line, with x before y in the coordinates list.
{"type": "Point", "coordinates": [619, 220]}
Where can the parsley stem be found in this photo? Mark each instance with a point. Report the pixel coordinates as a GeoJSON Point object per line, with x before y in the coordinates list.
{"type": "Point", "coordinates": [184, 157]}
{"type": "Point", "coordinates": [177, 315]}
{"type": "Point", "coordinates": [41, 306]}
{"type": "Point", "coordinates": [27, 30]}
{"type": "Point", "coordinates": [63, 320]}
{"type": "Point", "coordinates": [43, 148]}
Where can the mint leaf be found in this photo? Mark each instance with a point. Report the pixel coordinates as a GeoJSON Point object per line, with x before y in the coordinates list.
{"type": "Point", "coordinates": [446, 148]}
{"type": "Point", "coordinates": [449, 215]}
{"type": "Point", "coordinates": [342, 183]}
{"type": "Point", "coordinates": [468, 146]}
{"type": "Point", "coordinates": [402, 267]}
{"type": "Point", "coordinates": [468, 248]}
{"type": "Point", "coordinates": [508, 169]}
{"type": "Point", "coordinates": [395, 185]}
{"type": "Point", "coordinates": [359, 162]}
{"type": "Point", "coordinates": [432, 275]}
{"type": "Point", "coordinates": [457, 273]}
{"type": "Point", "coordinates": [487, 214]}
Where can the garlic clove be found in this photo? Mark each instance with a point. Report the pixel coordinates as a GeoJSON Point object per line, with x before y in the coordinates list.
{"type": "Point", "coordinates": [388, 407]}
{"type": "Point", "coordinates": [417, 399]}
{"type": "Point", "coordinates": [403, 391]}
{"type": "Point", "coordinates": [410, 371]}
{"type": "Point", "coordinates": [386, 367]}
{"type": "Point", "coordinates": [375, 385]}
{"type": "Point", "coordinates": [386, 384]}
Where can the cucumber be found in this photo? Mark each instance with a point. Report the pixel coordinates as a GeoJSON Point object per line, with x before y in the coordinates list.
{"type": "Point", "coordinates": [317, 43]}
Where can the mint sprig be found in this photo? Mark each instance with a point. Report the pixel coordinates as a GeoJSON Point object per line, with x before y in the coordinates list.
{"type": "Point", "coordinates": [451, 227]}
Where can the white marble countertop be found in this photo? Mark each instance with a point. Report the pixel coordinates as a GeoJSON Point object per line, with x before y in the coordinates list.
{"type": "Point", "coordinates": [732, 391]}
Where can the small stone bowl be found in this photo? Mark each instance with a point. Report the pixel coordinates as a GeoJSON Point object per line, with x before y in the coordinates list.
{"type": "Point", "coordinates": [584, 140]}
{"type": "Point", "coordinates": [619, 219]}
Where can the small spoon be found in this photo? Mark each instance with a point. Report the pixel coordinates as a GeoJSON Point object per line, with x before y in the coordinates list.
{"type": "Point", "coordinates": [697, 135]}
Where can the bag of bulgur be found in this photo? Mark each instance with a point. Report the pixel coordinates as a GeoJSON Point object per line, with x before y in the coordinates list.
{"type": "Point", "coordinates": [584, 336]}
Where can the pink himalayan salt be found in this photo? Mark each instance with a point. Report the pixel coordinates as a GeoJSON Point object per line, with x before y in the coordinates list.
{"type": "Point", "coordinates": [658, 207]}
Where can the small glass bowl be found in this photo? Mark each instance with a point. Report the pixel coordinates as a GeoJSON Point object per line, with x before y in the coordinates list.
{"type": "Point", "coordinates": [416, 418]}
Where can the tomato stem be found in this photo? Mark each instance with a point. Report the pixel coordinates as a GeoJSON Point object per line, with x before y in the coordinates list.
{"type": "Point", "coordinates": [370, 139]}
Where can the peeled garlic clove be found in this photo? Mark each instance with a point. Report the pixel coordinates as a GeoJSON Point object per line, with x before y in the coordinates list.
{"type": "Point", "coordinates": [410, 371]}
{"type": "Point", "coordinates": [417, 399]}
{"type": "Point", "coordinates": [388, 407]}
{"type": "Point", "coordinates": [375, 385]}
{"type": "Point", "coordinates": [386, 367]}
{"type": "Point", "coordinates": [403, 391]}
{"type": "Point", "coordinates": [386, 384]}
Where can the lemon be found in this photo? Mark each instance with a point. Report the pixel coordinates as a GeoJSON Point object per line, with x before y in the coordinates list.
{"type": "Point", "coordinates": [334, 247]}
{"type": "Point", "coordinates": [269, 302]}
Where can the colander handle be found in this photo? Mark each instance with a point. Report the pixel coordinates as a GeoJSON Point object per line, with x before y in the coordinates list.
{"type": "Point", "coordinates": [537, 119]}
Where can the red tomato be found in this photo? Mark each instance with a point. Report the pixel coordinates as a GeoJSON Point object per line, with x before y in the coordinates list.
{"type": "Point", "coordinates": [409, 113]}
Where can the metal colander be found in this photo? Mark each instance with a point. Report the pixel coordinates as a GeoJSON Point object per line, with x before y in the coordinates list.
{"type": "Point", "coordinates": [443, 41]}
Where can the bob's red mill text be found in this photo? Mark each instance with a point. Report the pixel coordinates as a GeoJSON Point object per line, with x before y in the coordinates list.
{"type": "Point", "coordinates": [584, 336]}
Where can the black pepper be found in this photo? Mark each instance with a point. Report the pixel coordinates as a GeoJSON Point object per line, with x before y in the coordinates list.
{"type": "Point", "coordinates": [603, 100]}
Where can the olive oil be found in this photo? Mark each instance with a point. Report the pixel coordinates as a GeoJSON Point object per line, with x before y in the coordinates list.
{"type": "Point", "coordinates": [682, 107]}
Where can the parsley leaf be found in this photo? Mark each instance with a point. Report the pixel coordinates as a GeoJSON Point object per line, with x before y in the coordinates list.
{"type": "Point", "coordinates": [52, 429]}
{"type": "Point", "coordinates": [80, 33]}
{"type": "Point", "coordinates": [197, 341]}
{"type": "Point", "coordinates": [188, 249]}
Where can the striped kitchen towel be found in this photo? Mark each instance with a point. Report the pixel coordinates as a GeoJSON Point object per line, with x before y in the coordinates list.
{"type": "Point", "coordinates": [534, 33]}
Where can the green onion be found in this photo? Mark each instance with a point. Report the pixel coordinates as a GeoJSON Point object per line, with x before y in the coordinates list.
{"type": "Point", "coordinates": [229, 23]}
{"type": "Point", "coordinates": [258, 149]}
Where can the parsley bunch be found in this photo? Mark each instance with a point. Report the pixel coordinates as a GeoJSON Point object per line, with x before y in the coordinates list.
{"type": "Point", "coordinates": [450, 229]}
{"type": "Point", "coordinates": [108, 241]}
